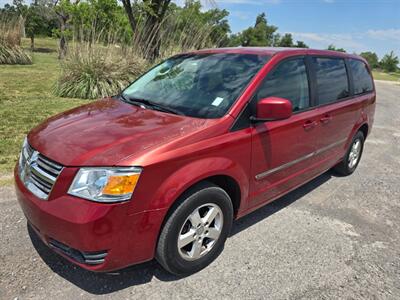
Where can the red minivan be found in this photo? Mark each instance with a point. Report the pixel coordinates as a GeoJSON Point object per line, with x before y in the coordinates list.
{"type": "Point", "coordinates": [200, 140]}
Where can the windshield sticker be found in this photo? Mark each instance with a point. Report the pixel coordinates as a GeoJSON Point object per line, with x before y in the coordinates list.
{"type": "Point", "coordinates": [217, 101]}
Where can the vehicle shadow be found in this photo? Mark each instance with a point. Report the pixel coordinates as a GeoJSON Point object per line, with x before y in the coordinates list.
{"type": "Point", "coordinates": [275, 206]}
{"type": "Point", "coordinates": [105, 283]}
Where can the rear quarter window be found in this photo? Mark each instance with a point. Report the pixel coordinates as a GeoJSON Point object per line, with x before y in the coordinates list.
{"type": "Point", "coordinates": [362, 79]}
{"type": "Point", "coordinates": [332, 81]}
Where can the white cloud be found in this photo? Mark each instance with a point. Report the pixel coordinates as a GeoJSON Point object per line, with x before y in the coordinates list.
{"type": "Point", "coordinates": [342, 40]}
{"type": "Point", "coordinates": [385, 34]}
{"type": "Point", "coordinates": [380, 41]}
{"type": "Point", "coordinates": [252, 2]}
{"type": "Point", "coordinates": [214, 3]}
{"type": "Point", "coordinates": [242, 15]}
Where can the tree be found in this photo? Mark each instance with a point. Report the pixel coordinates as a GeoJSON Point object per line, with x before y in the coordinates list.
{"type": "Point", "coordinates": [154, 13]}
{"type": "Point", "coordinates": [197, 28]}
{"type": "Point", "coordinates": [98, 21]}
{"type": "Point", "coordinates": [33, 23]}
{"type": "Point", "coordinates": [371, 58]}
{"type": "Point", "coordinates": [158, 24]}
{"type": "Point", "coordinates": [216, 19]}
{"type": "Point", "coordinates": [389, 62]}
{"type": "Point", "coordinates": [64, 9]}
{"type": "Point", "coordinates": [131, 11]}
{"type": "Point", "coordinates": [261, 34]}
{"type": "Point", "coordinates": [266, 30]}
{"type": "Point", "coordinates": [301, 44]}
{"type": "Point", "coordinates": [286, 41]}
{"type": "Point", "coordinates": [8, 12]}
{"type": "Point", "coordinates": [276, 39]}
{"type": "Point", "coordinates": [235, 40]}
{"type": "Point", "coordinates": [38, 20]}
{"type": "Point", "coordinates": [22, 10]}
{"type": "Point", "coordinates": [333, 48]}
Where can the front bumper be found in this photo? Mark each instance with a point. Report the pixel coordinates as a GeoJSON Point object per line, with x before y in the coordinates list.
{"type": "Point", "coordinates": [91, 228]}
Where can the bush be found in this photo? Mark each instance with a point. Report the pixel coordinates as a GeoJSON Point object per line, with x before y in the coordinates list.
{"type": "Point", "coordinates": [91, 72]}
{"type": "Point", "coordinates": [371, 58]}
{"type": "Point", "coordinates": [10, 41]}
{"type": "Point", "coordinates": [389, 62]}
{"type": "Point", "coordinates": [13, 55]}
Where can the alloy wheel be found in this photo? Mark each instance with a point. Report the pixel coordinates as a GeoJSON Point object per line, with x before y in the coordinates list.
{"type": "Point", "coordinates": [354, 154]}
{"type": "Point", "coordinates": [200, 231]}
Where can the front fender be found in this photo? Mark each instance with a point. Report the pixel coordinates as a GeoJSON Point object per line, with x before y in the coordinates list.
{"type": "Point", "coordinates": [194, 172]}
{"type": "Point", "coordinates": [177, 183]}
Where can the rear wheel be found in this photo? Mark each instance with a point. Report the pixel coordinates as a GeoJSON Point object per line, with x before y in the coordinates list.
{"type": "Point", "coordinates": [353, 155]}
{"type": "Point", "coordinates": [195, 233]}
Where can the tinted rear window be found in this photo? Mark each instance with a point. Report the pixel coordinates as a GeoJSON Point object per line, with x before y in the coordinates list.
{"type": "Point", "coordinates": [332, 83]}
{"type": "Point", "coordinates": [362, 80]}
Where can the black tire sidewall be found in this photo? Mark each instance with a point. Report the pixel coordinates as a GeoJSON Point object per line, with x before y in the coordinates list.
{"type": "Point", "coordinates": [211, 194]}
{"type": "Point", "coordinates": [359, 136]}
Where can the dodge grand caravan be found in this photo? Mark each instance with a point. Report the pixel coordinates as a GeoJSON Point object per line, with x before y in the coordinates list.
{"type": "Point", "coordinates": [204, 138]}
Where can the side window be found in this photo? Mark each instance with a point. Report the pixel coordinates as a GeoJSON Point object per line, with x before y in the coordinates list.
{"type": "Point", "coordinates": [362, 80]}
{"type": "Point", "coordinates": [289, 80]}
{"type": "Point", "coordinates": [332, 82]}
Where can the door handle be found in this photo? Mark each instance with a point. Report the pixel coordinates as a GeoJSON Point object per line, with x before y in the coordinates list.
{"type": "Point", "coordinates": [309, 124]}
{"type": "Point", "coordinates": [326, 119]}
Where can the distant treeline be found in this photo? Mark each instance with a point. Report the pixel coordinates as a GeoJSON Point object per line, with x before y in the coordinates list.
{"type": "Point", "coordinates": [156, 25]}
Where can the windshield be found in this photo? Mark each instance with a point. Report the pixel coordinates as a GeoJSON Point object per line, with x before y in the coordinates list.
{"type": "Point", "coordinates": [197, 85]}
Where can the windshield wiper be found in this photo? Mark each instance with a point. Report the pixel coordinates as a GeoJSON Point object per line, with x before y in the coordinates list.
{"type": "Point", "coordinates": [137, 102]}
{"type": "Point", "coordinates": [151, 104]}
{"type": "Point", "coordinates": [123, 97]}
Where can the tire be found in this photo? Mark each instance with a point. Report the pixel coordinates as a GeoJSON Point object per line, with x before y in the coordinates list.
{"type": "Point", "coordinates": [348, 165]}
{"type": "Point", "coordinates": [206, 199]}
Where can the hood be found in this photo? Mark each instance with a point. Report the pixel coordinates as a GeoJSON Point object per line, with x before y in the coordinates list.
{"type": "Point", "coordinates": [106, 131]}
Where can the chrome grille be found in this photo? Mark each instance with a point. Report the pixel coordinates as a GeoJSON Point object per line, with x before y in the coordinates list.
{"type": "Point", "coordinates": [37, 172]}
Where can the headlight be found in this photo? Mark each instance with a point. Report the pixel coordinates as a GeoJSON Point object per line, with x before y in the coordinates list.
{"type": "Point", "coordinates": [23, 155]}
{"type": "Point", "coordinates": [105, 184]}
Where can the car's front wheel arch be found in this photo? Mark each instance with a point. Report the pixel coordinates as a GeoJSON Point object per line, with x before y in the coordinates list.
{"type": "Point", "coordinates": [202, 194]}
{"type": "Point", "coordinates": [225, 182]}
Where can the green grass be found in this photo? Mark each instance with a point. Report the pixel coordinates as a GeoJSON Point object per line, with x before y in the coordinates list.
{"type": "Point", "coordinates": [379, 75]}
{"type": "Point", "coordinates": [26, 100]}
{"type": "Point", "coordinates": [46, 43]}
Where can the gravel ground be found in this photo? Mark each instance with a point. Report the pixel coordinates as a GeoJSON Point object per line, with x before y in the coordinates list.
{"type": "Point", "coordinates": [335, 237]}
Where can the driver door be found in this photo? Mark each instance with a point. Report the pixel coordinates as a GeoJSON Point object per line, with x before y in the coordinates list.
{"type": "Point", "coordinates": [283, 151]}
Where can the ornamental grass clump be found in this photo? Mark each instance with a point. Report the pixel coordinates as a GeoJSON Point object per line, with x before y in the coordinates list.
{"type": "Point", "coordinates": [11, 52]}
{"type": "Point", "coordinates": [94, 71]}
{"type": "Point", "coordinates": [102, 62]}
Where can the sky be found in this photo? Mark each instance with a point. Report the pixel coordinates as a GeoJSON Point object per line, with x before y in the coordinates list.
{"type": "Point", "coordinates": [355, 25]}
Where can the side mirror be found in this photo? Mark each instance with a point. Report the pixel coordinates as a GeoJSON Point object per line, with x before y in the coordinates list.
{"type": "Point", "coordinates": [272, 109]}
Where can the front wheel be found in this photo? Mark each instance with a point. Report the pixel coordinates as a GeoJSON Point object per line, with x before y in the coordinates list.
{"type": "Point", "coordinates": [353, 155]}
{"type": "Point", "coordinates": [195, 232]}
